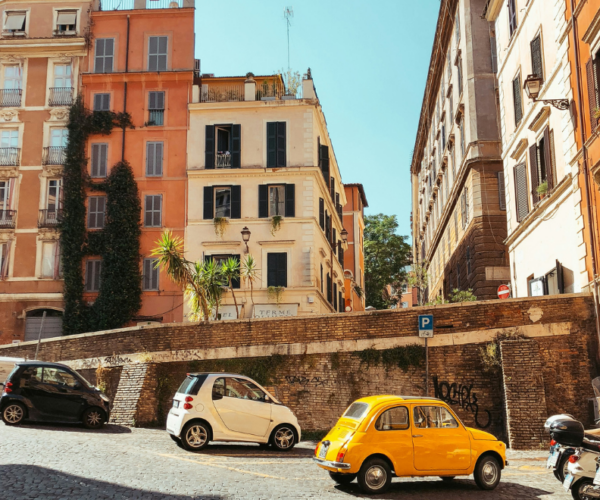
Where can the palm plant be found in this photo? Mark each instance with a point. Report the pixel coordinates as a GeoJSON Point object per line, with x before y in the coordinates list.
{"type": "Point", "coordinates": [249, 272]}
{"type": "Point", "coordinates": [231, 271]}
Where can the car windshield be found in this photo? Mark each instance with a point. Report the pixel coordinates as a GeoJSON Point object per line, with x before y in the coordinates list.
{"type": "Point", "coordinates": [356, 411]}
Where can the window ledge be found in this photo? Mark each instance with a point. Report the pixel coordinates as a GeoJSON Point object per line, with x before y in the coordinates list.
{"type": "Point", "coordinates": [276, 242]}
{"type": "Point", "coordinates": [220, 243]}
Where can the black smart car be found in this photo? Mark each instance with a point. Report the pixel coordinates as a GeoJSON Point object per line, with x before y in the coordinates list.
{"type": "Point", "coordinates": [51, 392]}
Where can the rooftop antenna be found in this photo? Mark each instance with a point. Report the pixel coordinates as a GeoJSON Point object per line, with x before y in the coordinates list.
{"type": "Point", "coordinates": [288, 13]}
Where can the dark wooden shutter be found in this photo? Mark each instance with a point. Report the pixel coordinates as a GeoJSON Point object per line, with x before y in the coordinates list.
{"type": "Point", "coordinates": [324, 162]}
{"type": "Point", "coordinates": [548, 159]}
{"type": "Point", "coordinates": [282, 270]}
{"type": "Point", "coordinates": [277, 269]}
{"type": "Point", "coordinates": [92, 212]}
{"type": "Point", "coordinates": [281, 152]}
{"type": "Point", "coordinates": [521, 197]}
{"type": "Point", "coordinates": [332, 189]}
{"type": "Point", "coordinates": [271, 144]}
{"type": "Point", "coordinates": [592, 94]}
{"type": "Point", "coordinates": [335, 296]}
{"type": "Point", "coordinates": [501, 194]}
{"type": "Point", "coordinates": [98, 102]}
{"type": "Point", "coordinates": [533, 168]}
{"type": "Point", "coordinates": [328, 288]}
{"type": "Point", "coordinates": [290, 200]}
{"type": "Point", "coordinates": [536, 57]}
{"type": "Point", "coordinates": [99, 62]}
{"type": "Point", "coordinates": [322, 213]}
{"type": "Point", "coordinates": [236, 202]}
{"type": "Point", "coordinates": [560, 277]}
{"type": "Point", "coordinates": [101, 211]}
{"type": "Point", "coordinates": [95, 160]}
{"type": "Point", "coordinates": [263, 201]}
{"type": "Point", "coordinates": [341, 305]}
{"type": "Point", "coordinates": [209, 147]}
{"type": "Point", "coordinates": [208, 202]}
{"type": "Point", "coordinates": [157, 216]}
{"type": "Point", "coordinates": [333, 238]}
{"type": "Point", "coordinates": [517, 100]}
{"type": "Point", "coordinates": [150, 158]}
{"type": "Point", "coordinates": [147, 274]}
{"type": "Point", "coordinates": [236, 146]}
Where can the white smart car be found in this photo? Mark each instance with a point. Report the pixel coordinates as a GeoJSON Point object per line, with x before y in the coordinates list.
{"type": "Point", "coordinates": [229, 407]}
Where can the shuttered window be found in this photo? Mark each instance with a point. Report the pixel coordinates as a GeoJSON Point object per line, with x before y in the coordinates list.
{"type": "Point", "coordinates": [449, 64]}
{"type": "Point", "coordinates": [322, 213]}
{"type": "Point", "coordinates": [157, 53]}
{"type": "Point", "coordinates": [104, 56]}
{"type": "Point", "coordinates": [536, 57]}
{"type": "Point", "coordinates": [593, 89]}
{"type": "Point", "coordinates": [15, 21]}
{"type": "Point", "coordinates": [329, 299]}
{"type": "Point", "coordinates": [154, 159]}
{"type": "Point", "coordinates": [153, 210]}
{"type": "Point", "coordinates": [521, 197]}
{"type": "Point", "coordinates": [517, 100]}
{"type": "Point", "coordinates": [277, 269]}
{"type": "Point", "coordinates": [332, 189]}
{"type": "Point", "coordinates": [457, 27]}
{"type": "Point", "coordinates": [96, 212]}
{"type": "Point", "coordinates": [512, 16]}
{"type": "Point", "coordinates": [335, 296]}
{"type": "Point", "coordinates": [93, 271]}
{"type": "Point", "coordinates": [276, 144]}
{"type": "Point", "coordinates": [156, 109]}
{"type": "Point", "coordinates": [459, 73]}
{"type": "Point", "coordinates": [277, 200]}
{"type": "Point", "coordinates": [101, 102]}
{"type": "Point", "coordinates": [341, 306]}
{"type": "Point", "coordinates": [501, 191]}
{"type": "Point", "coordinates": [322, 287]}
{"type": "Point", "coordinates": [99, 159]}
{"type": "Point", "coordinates": [150, 275]}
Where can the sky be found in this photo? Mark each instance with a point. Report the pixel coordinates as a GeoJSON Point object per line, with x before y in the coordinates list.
{"type": "Point", "coordinates": [369, 61]}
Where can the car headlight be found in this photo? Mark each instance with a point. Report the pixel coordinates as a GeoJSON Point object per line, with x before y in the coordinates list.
{"type": "Point", "coordinates": [104, 398]}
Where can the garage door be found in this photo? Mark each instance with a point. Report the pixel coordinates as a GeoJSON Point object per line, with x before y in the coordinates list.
{"type": "Point", "coordinates": [52, 327]}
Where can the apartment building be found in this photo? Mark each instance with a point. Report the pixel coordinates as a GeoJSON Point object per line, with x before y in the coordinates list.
{"type": "Point", "coordinates": [141, 61]}
{"type": "Point", "coordinates": [354, 258]}
{"type": "Point", "coordinates": [263, 181]}
{"type": "Point", "coordinates": [459, 218]}
{"type": "Point", "coordinates": [42, 45]}
{"type": "Point", "coordinates": [541, 187]}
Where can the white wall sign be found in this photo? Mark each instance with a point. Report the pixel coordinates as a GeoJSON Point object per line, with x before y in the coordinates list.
{"type": "Point", "coordinates": [275, 311]}
{"type": "Point", "coordinates": [228, 312]}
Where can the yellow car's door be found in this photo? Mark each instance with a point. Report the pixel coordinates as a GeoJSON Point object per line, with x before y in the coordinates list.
{"type": "Point", "coordinates": [440, 442]}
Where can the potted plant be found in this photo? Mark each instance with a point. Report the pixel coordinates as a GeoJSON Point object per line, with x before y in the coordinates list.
{"type": "Point", "coordinates": [276, 224]}
{"type": "Point", "coordinates": [542, 189]}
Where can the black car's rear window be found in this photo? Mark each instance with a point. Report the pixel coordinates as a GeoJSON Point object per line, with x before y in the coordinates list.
{"type": "Point", "coordinates": [14, 370]}
{"type": "Point", "coordinates": [191, 384]}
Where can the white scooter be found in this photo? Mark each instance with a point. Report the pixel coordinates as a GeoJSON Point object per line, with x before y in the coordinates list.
{"type": "Point", "coordinates": [582, 472]}
{"type": "Point", "coordinates": [558, 458]}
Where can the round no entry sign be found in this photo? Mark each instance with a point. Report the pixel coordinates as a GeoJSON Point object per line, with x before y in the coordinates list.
{"type": "Point", "coordinates": [503, 292]}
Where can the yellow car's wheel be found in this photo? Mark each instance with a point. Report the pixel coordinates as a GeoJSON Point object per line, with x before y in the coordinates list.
{"type": "Point", "coordinates": [487, 472]}
{"type": "Point", "coordinates": [375, 476]}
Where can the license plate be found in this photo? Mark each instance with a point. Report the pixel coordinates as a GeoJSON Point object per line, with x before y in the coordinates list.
{"type": "Point", "coordinates": [597, 477]}
{"type": "Point", "coordinates": [553, 459]}
{"type": "Point", "coordinates": [323, 451]}
{"type": "Point", "coordinates": [175, 403]}
{"type": "Point", "coordinates": [567, 482]}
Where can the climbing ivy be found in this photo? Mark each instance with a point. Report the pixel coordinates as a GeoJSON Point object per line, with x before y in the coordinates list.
{"type": "Point", "coordinates": [402, 356]}
{"type": "Point", "coordinates": [118, 243]}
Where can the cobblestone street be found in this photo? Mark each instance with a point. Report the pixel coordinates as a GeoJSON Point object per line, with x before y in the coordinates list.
{"type": "Point", "coordinates": [54, 463]}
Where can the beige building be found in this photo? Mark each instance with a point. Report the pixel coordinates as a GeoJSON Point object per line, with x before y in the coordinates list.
{"type": "Point", "coordinates": [263, 160]}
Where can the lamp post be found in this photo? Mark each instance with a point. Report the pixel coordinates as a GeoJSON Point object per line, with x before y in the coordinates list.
{"type": "Point", "coordinates": [533, 85]}
{"type": "Point", "coordinates": [344, 236]}
{"type": "Point", "coordinates": [246, 237]}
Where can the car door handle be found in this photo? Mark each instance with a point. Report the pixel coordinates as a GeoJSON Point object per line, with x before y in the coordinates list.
{"type": "Point", "coordinates": [417, 435]}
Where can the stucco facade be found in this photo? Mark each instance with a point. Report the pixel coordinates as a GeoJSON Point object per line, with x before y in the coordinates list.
{"type": "Point", "coordinates": [354, 258]}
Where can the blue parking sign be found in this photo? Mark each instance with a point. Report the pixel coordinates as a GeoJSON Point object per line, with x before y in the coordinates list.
{"type": "Point", "coordinates": [426, 325]}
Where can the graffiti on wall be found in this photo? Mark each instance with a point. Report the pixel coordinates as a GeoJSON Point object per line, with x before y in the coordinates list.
{"type": "Point", "coordinates": [304, 381]}
{"type": "Point", "coordinates": [463, 396]}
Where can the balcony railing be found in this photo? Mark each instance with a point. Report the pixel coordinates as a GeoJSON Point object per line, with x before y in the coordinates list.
{"type": "Point", "coordinates": [224, 160]}
{"type": "Point", "coordinates": [50, 218]}
{"type": "Point", "coordinates": [107, 5]}
{"type": "Point", "coordinates": [10, 97]}
{"type": "Point", "coordinates": [222, 93]}
{"type": "Point", "coordinates": [61, 96]}
{"type": "Point", "coordinates": [9, 157]}
{"type": "Point", "coordinates": [54, 155]}
{"type": "Point", "coordinates": [7, 218]}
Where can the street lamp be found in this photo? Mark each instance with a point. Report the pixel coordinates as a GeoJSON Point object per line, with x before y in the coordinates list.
{"type": "Point", "coordinates": [246, 237]}
{"type": "Point", "coordinates": [533, 85]}
{"type": "Point", "coordinates": [344, 236]}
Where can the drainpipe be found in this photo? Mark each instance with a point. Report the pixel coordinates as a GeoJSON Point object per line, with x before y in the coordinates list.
{"type": "Point", "coordinates": [125, 90]}
{"type": "Point", "coordinates": [585, 164]}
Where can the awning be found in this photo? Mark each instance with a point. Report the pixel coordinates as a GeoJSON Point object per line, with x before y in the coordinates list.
{"type": "Point", "coordinates": [15, 21]}
{"type": "Point", "coordinates": [66, 17]}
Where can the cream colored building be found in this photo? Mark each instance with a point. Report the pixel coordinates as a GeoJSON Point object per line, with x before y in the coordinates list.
{"type": "Point", "coordinates": [255, 154]}
{"type": "Point", "coordinates": [545, 241]}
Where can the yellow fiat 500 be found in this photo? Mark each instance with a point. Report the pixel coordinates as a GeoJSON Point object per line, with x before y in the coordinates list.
{"type": "Point", "coordinates": [381, 436]}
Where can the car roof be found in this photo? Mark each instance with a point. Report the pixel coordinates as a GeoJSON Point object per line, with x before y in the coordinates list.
{"type": "Point", "coordinates": [388, 398]}
{"type": "Point", "coordinates": [220, 374]}
{"type": "Point", "coordinates": [42, 363]}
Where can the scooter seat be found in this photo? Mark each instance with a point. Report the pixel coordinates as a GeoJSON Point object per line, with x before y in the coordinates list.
{"type": "Point", "coordinates": [587, 445]}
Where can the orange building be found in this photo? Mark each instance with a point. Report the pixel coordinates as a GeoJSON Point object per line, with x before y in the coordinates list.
{"type": "Point", "coordinates": [142, 61]}
{"type": "Point", "coordinates": [584, 58]}
{"type": "Point", "coordinates": [354, 257]}
{"type": "Point", "coordinates": [42, 46]}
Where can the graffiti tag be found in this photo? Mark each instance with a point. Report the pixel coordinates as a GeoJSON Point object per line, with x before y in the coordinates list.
{"type": "Point", "coordinates": [304, 381]}
{"type": "Point", "coordinates": [463, 396]}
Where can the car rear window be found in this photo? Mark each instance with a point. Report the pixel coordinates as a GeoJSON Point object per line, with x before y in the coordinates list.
{"type": "Point", "coordinates": [356, 411]}
{"type": "Point", "coordinates": [14, 370]}
{"type": "Point", "coordinates": [191, 384]}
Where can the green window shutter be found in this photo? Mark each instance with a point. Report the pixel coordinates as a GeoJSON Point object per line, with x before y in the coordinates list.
{"type": "Point", "coordinates": [281, 146]}
{"type": "Point", "coordinates": [322, 213]}
{"type": "Point", "coordinates": [548, 167]}
{"type": "Point", "coordinates": [533, 169]}
{"type": "Point", "coordinates": [536, 57]}
{"type": "Point", "coordinates": [236, 202]}
{"type": "Point", "coordinates": [208, 203]}
{"type": "Point", "coordinates": [324, 162]}
{"type": "Point", "coordinates": [290, 200]}
{"type": "Point", "coordinates": [592, 91]}
{"type": "Point", "coordinates": [517, 100]}
{"type": "Point", "coordinates": [236, 146]}
{"type": "Point", "coordinates": [271, 144]}
{"type": "Point", "coordinates": [263, 201]}
{"type": "Point", "coordinates": [521, 196]}
{"type": "Point", "coordinates": [209, 147]}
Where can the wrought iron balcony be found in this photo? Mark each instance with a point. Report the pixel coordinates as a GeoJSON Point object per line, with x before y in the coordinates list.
{"type": "Point", "coordinates": [54, 155]}
{"type": "Point", "coordinates": [61, 96]}
{"type": "Point", "coordinates": [10, 98]}
{"type": "Point", "coordinates": [50, 218]}
{"type": "Point", "coordinates": [107, 5]}
{"type": "Point", "coordinates": [222, 93]}
{"type": "Point", "coordinates": [7, 219]}
{"type": "Point", "coordinates": [9, 157]}
{"type": "Point", "coordinates": [224, 160]}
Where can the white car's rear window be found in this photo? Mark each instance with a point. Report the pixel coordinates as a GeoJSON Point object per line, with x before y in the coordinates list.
{"type": "Point", "coordinates": [357, 411]}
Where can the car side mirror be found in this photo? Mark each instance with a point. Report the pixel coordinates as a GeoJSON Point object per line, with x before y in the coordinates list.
{"type": "Point", "coordinates": [216, 396]}
{"type": "Point", "coordinates": [267, 399]}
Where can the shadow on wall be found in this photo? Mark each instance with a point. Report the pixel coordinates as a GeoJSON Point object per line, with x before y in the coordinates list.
{"type": "Point", "coordinates": [52, 484]}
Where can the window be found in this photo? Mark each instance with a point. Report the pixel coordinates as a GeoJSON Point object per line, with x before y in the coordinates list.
{"type": "Point", "coordinates": [51, 260]}
{"type": "Point", "coordinates": [242, 389]}
{"type": "Point", "coordinates": [459, 75]}
{"type": "Point", "coordinates": [66, 22]}
{"type": "Point", "coordinates": [222, 202]}
{"type": "Point", "coordinates": [13, 82]}
{"type": "Point", "coordinates": [103, 59]}
{"type": "Point", "coordinates": [102, 102]}
{"type": "Point", "coordinates": [54, 200]}
{"type": "Point", "coordinates": [150, 275]}
{"type": "Point", "coordinates": [219, 260]}
{"type": "Point", "coordinates": [153, 210]}
{"type": "Point", "coordinates": [59, 137]}
{"type": "Point", "coordinates": [321, 278]}
{"type": "Point", "coordinates": [356, 411]}
{"type": "Point", "coordinates": [433, 417]}
{"type": "Point", "coordinates": [15, 23]}
{"type": "Point", "coordinates": [521, 198]}
{"type": "Point", "coordinates": [324, 161]}
{"type": "Point", "coordinates": [96, 212]}
{"type": "Point", "coordinates": [276, 145]}
{"type": "Point", "coordinates": [457, 27]}
{"type": "Point", "coordinates": [453, 151]}
{"type": "Point", "coordinates": [394, 419]}
{"type": "Point", "coordinates": [404, 305]}
{"type": "Point", "coordinates": [154, 159]}
{"type": "Point", "coordinates": [464, 206]}
{"type": "Point", "coordinates": [60, 377]}
{"type": "Point", "coordinates": [540, 164]}
{"type": "Point", "coordinates": [218, 390]}
{"type": "Point", "coordinates": [93, 270]}
{"type": "Point", "coordinates": [62, 76]}
{"type": "Point", "coordinates": [32, 375]}
{"type": "Point", "coordinates": [449, 65]}
{"type": "Point", "coordinates": [593, 84]}
{"type": "Point", "coordinates": [99, 160]}
{"type": "Point", "coordinates": [501, 191]}
{"type": "Point", "coordinates": [4, 196]}
{"type": "Point", "coordinates": [156, 108]}
{"type": "Point", "coordinates": [277, 200]}
{"type": "Point", "coordinates": [537, 68]}
{"type": "Point", "coordinates": [335, 296]}
{"type": "Point", "coordinates": [157, 53]}
{"type": "Point", "coordinates": [494, 51]}
{"type": "Point", "coordinates": [512, 16]}
{"type": "Point", "coordinates": [517, 100]}
{"type": "Point", "coordinates": [277, 269]}
{"type": "Point", "coordinates": [322, 213]}
{"type": "Point", "coordinates": [223, 146]}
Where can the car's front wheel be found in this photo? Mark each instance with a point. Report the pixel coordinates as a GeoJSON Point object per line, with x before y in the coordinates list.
{"type": "Point", "coordinates": [487, 473]}
{"type": "Point", "coordinates": [375, 476]}
{"type": "Point", "coordinates": [283, 438]}
{"type": "Point", "coordinates": [93, 418]}
{"type": "Point", "coordinates": [13, 413]}
{"type": "Point", "coordinates": [342, 478]}
{"type": "Point", "coordinates": [195, 436]}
